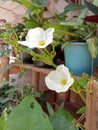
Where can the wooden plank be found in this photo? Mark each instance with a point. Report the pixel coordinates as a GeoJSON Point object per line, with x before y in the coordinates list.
{"type": "Point", "coordinates": [92, 106]}
{"type": "Point", "coordinates": [61, 98]}
{"type": "Point", "coordinates": [3, 62]}
{"type": "Point", "coordinates": [35, 72]}
{"type": "Point", "coordinates": [30, 66]}
{"type": "Point", "coordinates": [74, 98]}
{"type": "Point", "coordinates": [35, 78]}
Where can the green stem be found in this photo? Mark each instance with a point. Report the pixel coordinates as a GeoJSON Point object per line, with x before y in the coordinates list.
{"type": "Point", "coordinates": [82, 97]}
{"type": "Point", "coordinates": [54, 65]}
{"type": "Point", "coordinates": [81, 126]}
{"type": "Point", "coordinates": [26, 51]}
{"type": "Point", "coordinates": [46, 51]}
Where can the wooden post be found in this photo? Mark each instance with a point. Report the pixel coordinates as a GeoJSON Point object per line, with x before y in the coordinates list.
{"type": "Point", "coordinates": [61, 97]}
{"type": "Point", "coordinates": [4, 61]}
{"type": "Point", "coordinates": [35, 80]}
{"type": "Point", "coordinates": [92, 106]}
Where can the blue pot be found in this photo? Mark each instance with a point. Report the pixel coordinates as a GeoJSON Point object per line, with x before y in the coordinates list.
{"type": "Point", "coordinates": [78, 58]}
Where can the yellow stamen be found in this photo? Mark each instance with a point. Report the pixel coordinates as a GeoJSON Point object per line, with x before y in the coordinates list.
{"type": "Point", "coordinates": [63, 81]}
{"type": "Point", "coordinates": [41, 42]}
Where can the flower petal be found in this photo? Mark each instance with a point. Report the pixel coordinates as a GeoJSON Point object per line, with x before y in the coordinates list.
{"type": "Point", "coordinates": [35, 34]}
{"type": "Point", "coordinates": [64, 70]}
{"type": "Point", "coordinates": [26, 43]}
{"type": "Point", "coordinates": [49, 35]}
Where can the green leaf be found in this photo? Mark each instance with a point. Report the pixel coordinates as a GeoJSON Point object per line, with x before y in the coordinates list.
{"type": "Point", "coordinates": [3, 100]}
{"type": "Point", "coordinates": [1, 122]}
{"type": "Point", "coordinates": [83, 82]}
{"type": "Point", "coordinates": [3, 118]}
{"type": "Point", "coordinates": [40, 2]}
{"type": "Point", "coordinates": [91, 7]}
{"type": "Point", "coordinates": [35, 10]}
{"type": "Point", "coordinates": [50, 109]}
{"type": "Point", "coordinates": [25, 3]}
{"type": "Point", "coordinates": [92, 43]}
{"type": "Point", "coordinates": [36, 94]}
{"type": "Point", "coordinates": [28, 115]}
{"type": "Point", "coordinates": [63, 120]}
{"type": "Point", "coordinates": [81, 110]}
{"type": "Point", "coordinates": [30, 24]}
{"type": "Point", "coordinates": [73, 7]}
{"type": "Point", "coordinates": [59, 29]}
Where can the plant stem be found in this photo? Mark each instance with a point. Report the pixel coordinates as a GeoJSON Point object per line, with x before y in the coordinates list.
{"type": "Point", "coordinates": [92, 67]}
{"type": "Point", "coordinates": [82, 97]}
{"type": "Point", "coordinates": [54, 65]}
{"type": "Point", "coordinates": [81, 126]}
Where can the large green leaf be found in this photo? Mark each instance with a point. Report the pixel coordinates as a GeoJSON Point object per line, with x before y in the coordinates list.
{"type": "Point", "coordinates": [62, 120]}
{"type": "Point", "coordinates": [28, 116]}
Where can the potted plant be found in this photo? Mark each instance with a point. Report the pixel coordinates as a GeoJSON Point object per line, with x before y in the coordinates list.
{"type": "Point", "coordinates": [76, 43]}
{"type": "Point", "coordinates": [94, 20]}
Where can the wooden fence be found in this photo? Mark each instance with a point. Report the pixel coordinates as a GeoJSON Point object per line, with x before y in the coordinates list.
{"type": "Point", "coordinates": [71, 99]}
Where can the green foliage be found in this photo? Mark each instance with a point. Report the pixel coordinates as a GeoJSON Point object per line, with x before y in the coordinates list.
{"type": "Point", "coordinates": [3, 119]}
{"type": "Point", "coordinates": [50, 109]}
{"type": "Point", "coordinates": [73, 7]}
{"type": "Point", "coordinates": [91, 7]}
{"type": "Point", "coordinates": [63, 120]}
{"type": "Point", "coordinates": [81, 110]}
{"type": "Point", "coordinates": [83, 81]}
{"type": "Point", "coordinates": [34, 10]}
{"type": "Point", "coordinates": [29, 115]}
{"type": "Point", "coordinates": [4, 50]}
{"type": "Point", "coordinates": [10, 37]}
{"type": "Point", "coordinates": [80, 83]}
{"type": "Point", "coordinates": [40, 2]}
{"type": "Point", "coordinates": [26, 116]}
{"type": "Point", "coordinates": [25, 3]}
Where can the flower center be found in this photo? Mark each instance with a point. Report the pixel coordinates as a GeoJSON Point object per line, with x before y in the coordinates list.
{"type": "Point", "coordinates": [41, 42]}
{"type": "Point", "coordinates": [63, 81]}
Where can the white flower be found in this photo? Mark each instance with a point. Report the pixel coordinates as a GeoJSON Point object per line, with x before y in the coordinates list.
{"type": "Point", "coordinates": [59, 80]}
{"type": "Point", "coordinates": [38, 38]}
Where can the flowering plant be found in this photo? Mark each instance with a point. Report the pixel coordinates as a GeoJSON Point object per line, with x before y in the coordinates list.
{"type": "Point", "coordinates": [59, 80]}
{"type": "Point", "coordinates": [40, 39]}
